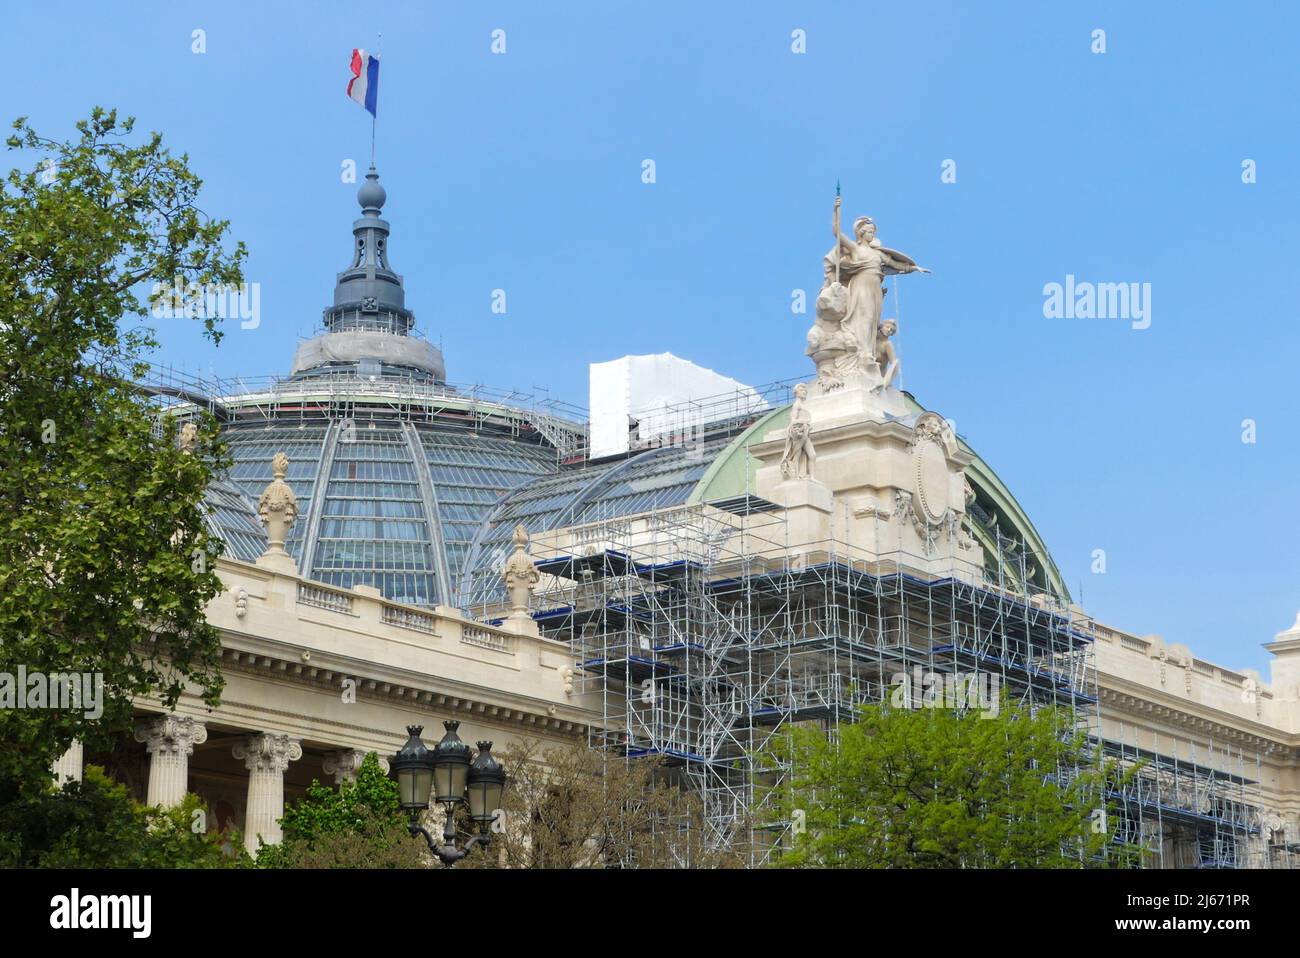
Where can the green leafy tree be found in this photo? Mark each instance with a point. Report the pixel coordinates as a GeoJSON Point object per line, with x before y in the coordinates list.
{"type": "Point", "coordinates": [360, 824]}
{"type": "Point", "coordinates": [105, 561]}
{"type": "Point", "coordinates": [95, 823]}
{"type": "Point", "coordinates": [939, 788]}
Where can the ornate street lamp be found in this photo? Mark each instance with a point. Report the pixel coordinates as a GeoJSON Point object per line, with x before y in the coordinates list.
{"type": "Point", "coordinates": [451, 776]}
{"type": "Point", "coordinates": [487, 780]}
{"type": "Point", "coordinates": [413, 766]}
{"type": "Point", "coordinates": [451, 760]}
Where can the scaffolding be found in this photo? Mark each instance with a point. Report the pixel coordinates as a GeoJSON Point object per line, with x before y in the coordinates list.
{"type": "Point", "coordinates": [345, 396]}
{"type": "Point", "coordinates": [1190, 806]}
{"type": "Point", "coordinates": [703, 630]}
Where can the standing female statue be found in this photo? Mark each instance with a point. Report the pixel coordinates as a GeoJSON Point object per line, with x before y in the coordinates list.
{"type": "Point", "coordinates": [799, 455]}
{"type": "Point", "coordinates": [862, 264]}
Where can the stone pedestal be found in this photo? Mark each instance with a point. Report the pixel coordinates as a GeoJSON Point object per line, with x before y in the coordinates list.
{"type": "Point", "coordinates": [278, 560]}
{"type": "Point", "coordinates": [521, 623]}
{"type": "Point", "coordinates": [170, 741]}
{"type": "Point", "coordinates": [266, 756]}
{"type": "Point", "coordinates": [888, 484]}
{"type": "Point", "coordinates": [68, 767]}
{"type": "Point", "coordinates": [808, 506]}
{"type": "Point", "coordinates": [803, 493]}
{"type": "Point", "coordinates": [860, 399]}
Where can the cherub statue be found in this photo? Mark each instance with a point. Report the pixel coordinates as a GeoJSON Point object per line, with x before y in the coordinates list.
{"type": "Point", "coordinates": [886, 356]}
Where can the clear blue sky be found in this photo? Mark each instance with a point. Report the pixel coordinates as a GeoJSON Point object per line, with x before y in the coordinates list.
{"type": "Point", "coordinates": [523, 172]}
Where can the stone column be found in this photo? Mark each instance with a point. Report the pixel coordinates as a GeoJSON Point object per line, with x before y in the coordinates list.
{"type": "Point", "coordinates": [345, 763]}
{"type": "Point", "coordinates": [68, 767]}
{"type": "Point", "coordinates": [170, 740]}
{"type": "Point", "coordinates": [266, 756]}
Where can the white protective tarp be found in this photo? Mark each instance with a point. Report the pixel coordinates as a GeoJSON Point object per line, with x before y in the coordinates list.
{"type": "Point", "coordinates": [664, 396]}
{"type": "Point", "coordinates": [357, 344]}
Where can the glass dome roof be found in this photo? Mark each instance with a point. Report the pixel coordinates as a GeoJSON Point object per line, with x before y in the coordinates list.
{"type": "Point", "coordinates": [411, 486]}
{"type": "Point", "coordinates": [387, 503]}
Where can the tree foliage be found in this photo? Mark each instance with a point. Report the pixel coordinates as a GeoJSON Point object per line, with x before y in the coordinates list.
{"type": "Point", "coordinates": [357, 825]}
{"type": "Point", "coordinates": [95, 823]}
{"type": "Point", "coordinates": [941, 788]}
{"type": "Point", "coordinates": [105, 561]}
{"type": "Point", "coordinates": [576, 807]}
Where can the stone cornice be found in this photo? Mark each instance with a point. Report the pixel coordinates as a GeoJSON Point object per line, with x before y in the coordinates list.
{"type": "Point", "coordinates": [895, 430]}
{"type": "Point", "coordinates": [298, 665]}
{"type": "Point", "coordinates": [1137, 699]}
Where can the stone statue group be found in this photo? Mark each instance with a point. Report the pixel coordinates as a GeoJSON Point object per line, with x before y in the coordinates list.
{"type": "Point", "coordinates": [848, 336]}
{"type": "Point", "coordinates": [847, 342]}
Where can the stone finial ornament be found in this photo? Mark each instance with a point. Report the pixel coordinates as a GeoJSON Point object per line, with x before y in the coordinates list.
{"type": "Point", "coordinates": [278, 507]}
{"type": "Point", "coordinates": [799, 456]}
{"type": "Point", "coordinates": [520, 573]}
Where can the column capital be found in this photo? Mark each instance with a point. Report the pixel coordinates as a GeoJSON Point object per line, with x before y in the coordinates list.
{"type": "Point", "coordinates": [176, 734]}
{"type": "Point", "coordinates": [268, 752]}
{"type": "Point", "coordinates": [345, 763]}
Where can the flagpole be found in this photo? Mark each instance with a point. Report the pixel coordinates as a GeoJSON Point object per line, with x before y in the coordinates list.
{"type": "Point", "coordinates": [374, 116]}
{"type": "Point", "coordinates": [838, 252]}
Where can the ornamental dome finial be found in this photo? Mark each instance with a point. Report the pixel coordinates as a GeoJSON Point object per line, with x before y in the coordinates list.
{"type": "Point", "coordinates": [371, 195]}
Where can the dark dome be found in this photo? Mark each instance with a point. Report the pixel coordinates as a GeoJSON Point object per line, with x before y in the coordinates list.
{"type": "Point", "coordinates": [394, 470]}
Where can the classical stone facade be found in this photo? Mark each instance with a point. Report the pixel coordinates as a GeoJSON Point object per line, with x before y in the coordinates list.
{"type": "Point", "coordinates": [317, 677]}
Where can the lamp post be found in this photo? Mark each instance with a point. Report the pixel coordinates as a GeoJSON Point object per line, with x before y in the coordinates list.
{"type": "Point", "coordinates": [451, 776]}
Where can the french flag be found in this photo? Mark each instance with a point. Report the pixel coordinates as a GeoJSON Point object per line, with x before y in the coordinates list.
{"type": "Point", "coordinates": [364, 85]}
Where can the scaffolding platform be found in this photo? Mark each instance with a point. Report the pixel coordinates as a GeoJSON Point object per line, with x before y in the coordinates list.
{"type": "Point", "coordinates": [601, 564]}
{"type": "Point", "coordinates": [700, 632]}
